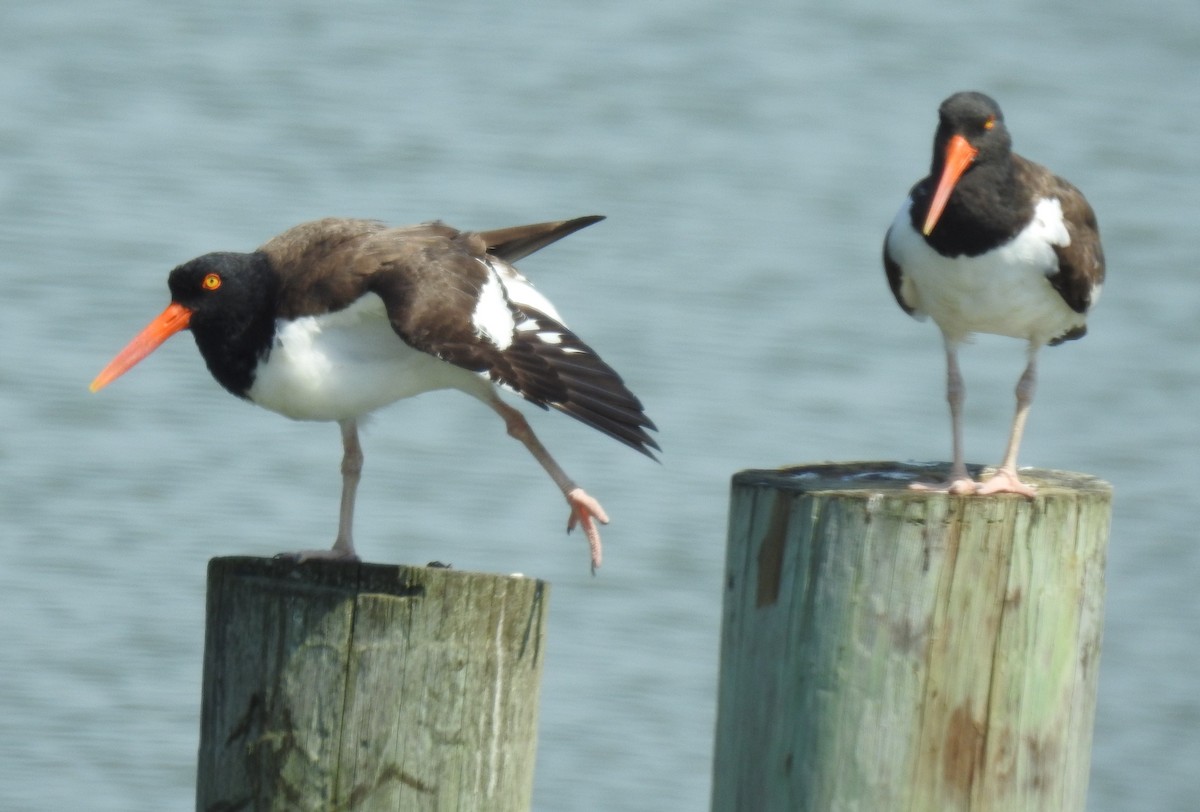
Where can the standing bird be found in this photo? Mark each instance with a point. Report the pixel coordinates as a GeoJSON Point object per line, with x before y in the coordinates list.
{"type": "Point", "coordinates": [335, 318]}
{"type": "Point", "coordinates": [991, 242]}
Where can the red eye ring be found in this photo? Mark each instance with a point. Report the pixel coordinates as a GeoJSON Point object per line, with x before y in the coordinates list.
{"type": "Point", "coordinates": [212, 281]}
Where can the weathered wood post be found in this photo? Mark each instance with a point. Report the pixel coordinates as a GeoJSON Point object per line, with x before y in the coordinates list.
{"type": "Point", "coordinates": [890, 649]}
{"type": "Point", "coordinates": [345, 686]}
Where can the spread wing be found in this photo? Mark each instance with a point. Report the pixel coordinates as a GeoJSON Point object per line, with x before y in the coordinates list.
{"type": "Point", "coordinates": [454, 295]}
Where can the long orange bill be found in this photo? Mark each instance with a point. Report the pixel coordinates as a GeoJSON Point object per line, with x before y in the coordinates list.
{"type": "Point", "coordinates": [959, 155]}
{"type": "Point", "coordinates": [175, 318]}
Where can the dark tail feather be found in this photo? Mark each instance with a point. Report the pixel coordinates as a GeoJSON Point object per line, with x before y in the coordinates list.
{"type": "Point", "coordinates": [634, 436]}
{"type": "Point", "coordinates": [569, 376]}
{"type": "Point", "coordinates": [517, 242]}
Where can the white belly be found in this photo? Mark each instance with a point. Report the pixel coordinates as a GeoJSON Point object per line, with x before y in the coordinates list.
{"type": "Point", "coordinates": [347, 364]}
{"type": "Point", "coordinates": [1005, 291]}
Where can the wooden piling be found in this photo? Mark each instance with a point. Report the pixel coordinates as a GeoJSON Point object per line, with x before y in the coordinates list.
{"type": "Point", "coordinates": [891, 649]}
{"type": "Point", "coordinates": [346, 686]}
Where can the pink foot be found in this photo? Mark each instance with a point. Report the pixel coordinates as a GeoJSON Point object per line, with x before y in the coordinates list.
{"type": "Point", "coordinates": [1003, 481]}
{"type": "Point", "coordinates": [960, 486]}
{"type": "Point", "coordinates": [583, 510]}
{"type": "Point", "coordinates": [1006, 481]}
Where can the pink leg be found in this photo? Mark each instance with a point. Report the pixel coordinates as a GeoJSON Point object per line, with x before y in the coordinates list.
{"type": "Point", "coordinates": [1005, 480]}
{"type": "Point", "coordinates": [960, 481]}
{"type": "Point", "coordinates": [585, 510]}
{"type": "Point", "coordinates": [352, 463]}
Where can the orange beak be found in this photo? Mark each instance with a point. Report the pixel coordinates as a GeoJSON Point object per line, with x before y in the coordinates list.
{"type": "Point", "coordinates": [959, 155]}
{"type": "Point", "coordinates": [175, 318]}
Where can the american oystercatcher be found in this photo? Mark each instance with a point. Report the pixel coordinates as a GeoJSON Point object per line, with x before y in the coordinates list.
{"type": "Point", "coordinates": [991, 242]}
{"type": "Point", "coordinates": [336, 318]}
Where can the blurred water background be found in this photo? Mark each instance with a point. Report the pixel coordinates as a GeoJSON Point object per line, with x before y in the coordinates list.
{"type": "Point", "coordinates": [749, 157]}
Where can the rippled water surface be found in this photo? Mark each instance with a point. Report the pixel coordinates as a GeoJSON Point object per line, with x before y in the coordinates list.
{"type": "Point", "coordinates": [749, 158]}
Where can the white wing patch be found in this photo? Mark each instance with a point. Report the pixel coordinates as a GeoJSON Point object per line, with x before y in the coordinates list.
{"type": "Point", "coordinates": [493, 318]}
{"type": "Point", "coordinates": [504, 285]}
{"type": "Point", "coordinates": [521, 291]}
{"type": "Point", "coordinates": [1048, 215]}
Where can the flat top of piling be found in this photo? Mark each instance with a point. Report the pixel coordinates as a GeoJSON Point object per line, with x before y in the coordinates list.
{"type": "Point", "coordinates": [896, 477]}
{"type": "Point", "coordinates": [356, 576]}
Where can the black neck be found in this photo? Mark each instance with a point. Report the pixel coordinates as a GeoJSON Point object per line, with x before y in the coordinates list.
{"type": "Point", "coordinates": [238, 333]}
{"type": "Point", "coordinates": [985, 210]}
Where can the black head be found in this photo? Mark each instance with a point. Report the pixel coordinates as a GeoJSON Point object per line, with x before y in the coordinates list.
{"type": "Point", "coordinates": [228, 302]}
{"type": "Point", "coordinates": [972, 160]}
{"type": "Point", "coordinates": [220, 285]}
{"type": "Point", "coordinates": [232, 298]}
{"type": "Point", "coordinates": [977, 119]}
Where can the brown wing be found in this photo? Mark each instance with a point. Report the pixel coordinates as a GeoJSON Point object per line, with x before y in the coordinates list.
{"type": "Point", "coordinates": [326, 264]}
{"type": "Point", "coordinates": [322, 265]}
{"type": "Point", "coordinates": [430, 284]}
{"type": "Point", "coordinates": [431, 287]}
{"type": "Point", "coordinates": [430, 278]}
{"type": "Point", "coordinates": [1080, 264]}
{"type": "Point", "coordinates": [567, 374]}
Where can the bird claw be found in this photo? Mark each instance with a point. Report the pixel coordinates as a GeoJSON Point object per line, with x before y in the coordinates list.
{"type": "Point", "coordinates": [1006, 481]}
{"type": "Point", "coordinates": [959, 483]}
{"type": "Point", "coordinates": [1003, 481]}
{"type": "Point", "coordinates": [961, 486]}
{"type": "Point", "coordinates": [584, 508]}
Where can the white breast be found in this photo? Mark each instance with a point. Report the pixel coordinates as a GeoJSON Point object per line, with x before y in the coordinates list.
{"type": "Point", "coordinates": [1004, 291]}
{"type": "Point", "coordinates": [346, 364]}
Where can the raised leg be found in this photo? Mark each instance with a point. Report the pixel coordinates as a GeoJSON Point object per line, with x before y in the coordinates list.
{"type": "Point", "coordinates": [585, 511]}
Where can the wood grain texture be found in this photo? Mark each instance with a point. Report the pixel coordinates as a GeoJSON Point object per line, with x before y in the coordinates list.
{"type": "Point", "coordinates": [884, 648]}
{"type": "Point", "coordinates": [342, 686]}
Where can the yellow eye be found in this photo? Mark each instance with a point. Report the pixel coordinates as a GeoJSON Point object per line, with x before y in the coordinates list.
{"type": "Point", "coordinates": [212, 281]}
{"type": "Point", "coordinates": [989, 122]}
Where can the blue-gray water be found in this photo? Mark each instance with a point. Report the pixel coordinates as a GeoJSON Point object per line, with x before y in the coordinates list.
{"type": "Point", "coordinates": [749, 157]}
